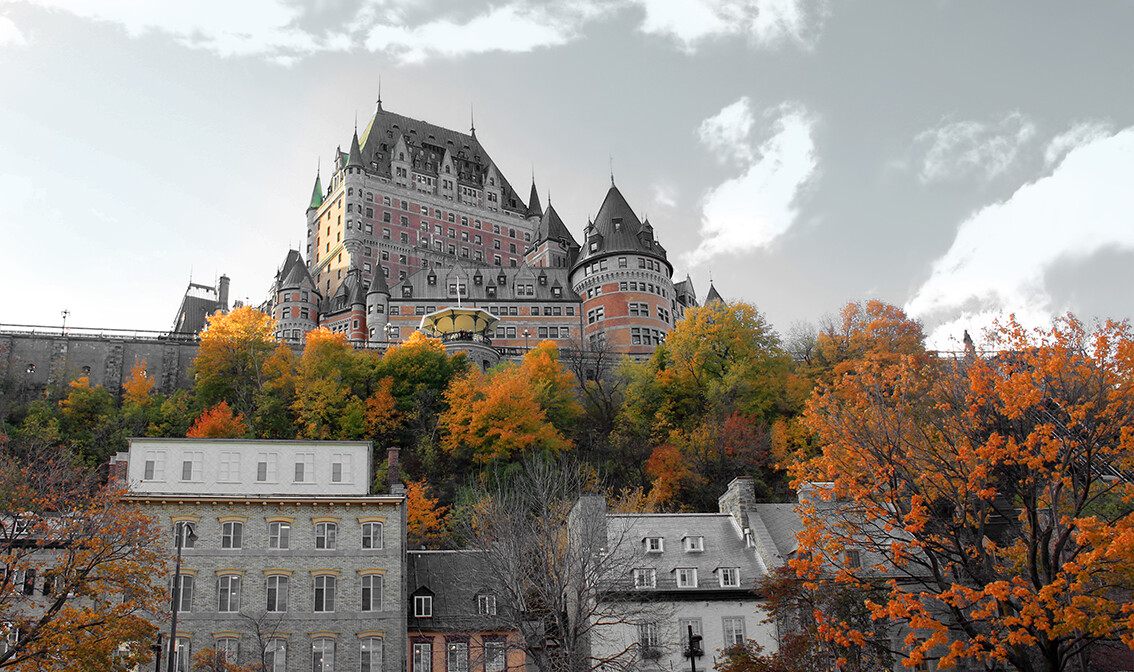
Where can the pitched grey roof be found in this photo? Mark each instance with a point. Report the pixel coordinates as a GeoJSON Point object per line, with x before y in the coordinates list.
{"type": "Point", "coordinates": [534, 207]}
{"type": "Point", "coordinates": [349, 293]}
{"type": "Point", "coordinates": [489, 277]}
{"type": "Point", "coordinates": [455, 579]}
{"type": "Point", "coordinates": [551, 227]}
{"type": "Point", "coordinates": [723, 545]}
{"type": "Point", "coordinates": [782, 523]}
{"type": "Point", "coordinates": [617, 229]}
{"type": "Point", "coordinates": [293, 274]}
{"type": "Point", "coordinates": [427, 144]}
{"type": "Point", "coordinates": [713, 295]}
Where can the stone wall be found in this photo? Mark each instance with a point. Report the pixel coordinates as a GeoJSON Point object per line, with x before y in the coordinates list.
{"type": "Point", "coordinates": [38, 364]}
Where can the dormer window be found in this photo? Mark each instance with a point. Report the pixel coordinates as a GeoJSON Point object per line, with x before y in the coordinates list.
{"type": "Point", "coordinates": [422, 606]}
{"type": "Point", "coordinates": [686, 577]}
{"type": "Point", "coordinates": [477, 280]}
{"type": "Point", "coordinates": [655, 544]}
{"type": "Point", "coordinates": [431, 279]}
{"type": "Point", "coordinates": [407, 292]}
{"type": "Point", "coordinates": [543, 280]}
{"type": "Point", "coordinates": [556, 292]}
{"type": "Point", "coordinates": [694, 544]}
{"type": "Point", "coordinates": [501, 279]}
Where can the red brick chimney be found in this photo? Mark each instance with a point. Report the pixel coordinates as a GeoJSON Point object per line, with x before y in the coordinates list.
{"type": "Point", "coordinates": [395, 477]}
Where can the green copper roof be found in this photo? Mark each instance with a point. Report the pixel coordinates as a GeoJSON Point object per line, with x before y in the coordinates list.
{"type": "Point", "coordinates": [317, 193]}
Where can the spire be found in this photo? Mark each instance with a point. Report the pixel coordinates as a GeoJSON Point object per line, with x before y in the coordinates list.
{"type": "Point", "coordinates": [534, 208]}
{"type": "Point", "coordinates": [472, 121]}
{"type": "Point", "coordinates": [316, 193]}
{"type": "Point", "coordinates": [355, 159]}
{"type": "Point", "coordinates": [379, 93]}
{"type": "Point", "coordinates": [713, 296]}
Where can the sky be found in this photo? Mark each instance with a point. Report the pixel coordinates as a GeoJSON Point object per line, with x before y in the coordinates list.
{"type": "Point", "coordinates": [960, 160]}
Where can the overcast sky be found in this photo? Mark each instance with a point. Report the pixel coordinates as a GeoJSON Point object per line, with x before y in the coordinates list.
{"type": "Point", "coordinates": [957, 159]}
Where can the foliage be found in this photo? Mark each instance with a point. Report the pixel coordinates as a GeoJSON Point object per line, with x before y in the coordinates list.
{"type": "Point", "coordinates": [990, 498]}
{"type": "Point", "coordinates": [425, 519]}
{"type": "Point", "coordinates": [232, 359]}
{"type": "Point", "coordinates": [218, 422]}
{"type": "Point", "coordinates": [213, 660]}
{"type": "Point", "coordinates": [89, 419]}
{"type": "Point", "coordinates": [700, 406]}
{"type": "Point", "coordinates": [83, 571]}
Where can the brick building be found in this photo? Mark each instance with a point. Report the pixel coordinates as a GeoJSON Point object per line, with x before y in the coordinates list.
{"type": "Point", "coordinates": [416, 218]}
{"type": "Point", "coordinates": [293, 558]}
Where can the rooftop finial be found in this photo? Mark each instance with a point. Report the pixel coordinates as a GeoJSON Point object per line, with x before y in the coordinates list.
{"type": "Point", "coordinates": [379, 93]}
{"type": "Point", "coordinates": [472, 120]}
{"type": "Point", "coordinates": [356, 122]}
{"type": "Point", "coordinates": [611, 170]}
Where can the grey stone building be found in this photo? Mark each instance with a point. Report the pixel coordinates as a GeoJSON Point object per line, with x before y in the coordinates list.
{"type": "Point", "coordinates": [292, 560]}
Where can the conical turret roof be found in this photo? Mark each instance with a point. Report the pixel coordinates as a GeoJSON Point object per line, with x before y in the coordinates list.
{"type": "Point", "coordinates": [316, 194]}
{"type": "Point", "coordinates": [534, 207]}
{"type": "Point", "coordinates": [355, 160]}
{"type": "Point", "coordinates": [551, 227]}
{"type": "Point", "coordinates": [378, 283]}
{"type": "Point", "coordinates": [616, 229]}
{"type": "Point", "coordinates": [713, 296]}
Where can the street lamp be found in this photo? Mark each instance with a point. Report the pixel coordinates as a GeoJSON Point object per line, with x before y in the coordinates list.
{"type": "Point", "coordinates": [184, 534]}
{"type": "Point", "coordinates": [525, 335]}
{"type": "Point", "coordinates": [693, 651]}
{"type": "Point", "coordinates": [389, 329]}
{"type": "Point", "coordinates": [64, 313]}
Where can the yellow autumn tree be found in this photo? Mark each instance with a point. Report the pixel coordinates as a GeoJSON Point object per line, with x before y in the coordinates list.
{"type": "Point", "coordinates": [425, 518]}
{"type": "Point", "coordinates": [985, 504]}
{"type": "Point", "coordinates": [231, 360]}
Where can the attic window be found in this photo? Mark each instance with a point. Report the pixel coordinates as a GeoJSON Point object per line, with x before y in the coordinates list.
{"type": "Point", "coordinates": [422, 606]}
{"type": "Point", "coordinates": [617, 222]}
{"type": "Point", "coordinates": [431, 279]}
{"type": "Point", "coordinates": [655, 544]}
{"type": "Point", "coordinates": [477, 280]}
{"type": "Point", "coordinates": [407, 291]}
{"type": "Point", "coordinates": [594, 246]}
{"type": "Point", "coordinates": [694, 544]}
{"type": "Point", "coordinates": [501, 279]}
{"type": "Point", "coordinates": [556, 292]}
{"type": "Point", "coordinates": [543, 280]}
{"type": "Point", "coordinates": [490, 291]}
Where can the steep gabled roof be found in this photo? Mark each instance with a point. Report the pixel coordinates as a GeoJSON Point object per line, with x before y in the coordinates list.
{"type": "Point", "coordinates": [713, 295]}
{"type": "Point", "coordinates": [428, 143]}
{"type": "Point", "coordinates": [293, 274]}
{"type": "Point", "coordinates": [355, 159]}
{"type": "Point", "coordinates": [316, 194]}
{"type": "Point", "coordinates": [378, 283]}
{"type": "Point", "coordinates": [551, 227]}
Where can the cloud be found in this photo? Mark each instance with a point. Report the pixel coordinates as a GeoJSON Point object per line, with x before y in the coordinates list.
{"type": "Point", "coordinates": [1000, 255]}
{"type": "Point", "coordinates": [751, 210]}
{"type": "Point", "coordinates": [963, 148]}
{"type": "Point", "coordinates": [10, 33]}
{"type": "Point", "coordinates": [1078, 134]}
{"type": "Point", "coordinates": [507, 28]}
{"type": "Point", "coordinates": [767, 23]}
{"type": "Point", "coordinates": [664, 196]}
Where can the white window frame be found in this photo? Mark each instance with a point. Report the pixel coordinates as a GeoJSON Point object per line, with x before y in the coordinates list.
{"type": "Point", "coordinates": [730, 635]}
{"type": "Point", "coordinates": [371, 651]}
{"type": "Point", "coordinates": [486, 604]}
{"type": "Point", "coordinates": [326, 536]}
{"type": "Point", "coordinates": [276, 650]}
{"type": "Point", "coordinates": [194, 460]}
{"type": "Point", "coordinates": [457, 656]}
{"type": "Point", "coordinates": [232, 535]}
{"type": "Point", "coordinates": [280, 590]}
{"type": "Point", "coordinates": [372, 534]}
{"type": "Point", "coordinates": [229, 467]}
{"type": "Point", "coordinates": [228, 593]}
{"type": "Point", "coordinates": [494, 656]}
{"type": "Point", "coordinates": [645, 577]}
{"type": "Point", "coordinates": [279, 535]}
{"type": "Point", "coordinates": [694, 544]}
{"type": "Point", "coordinates": [729, 577]}
{"type": "Point", "coordinates": [373, 588]}
{"type": "Point", "coordinates": [267, 464]}
{"type": "Point", "coordinates": [154, 467]}
{"type": "Point", "coordinates": [655, 544]}
{"type": "Point", "coordinates": [304, 468]}
{"type": "Point", "coordinates": [323, 654]}
{"type": "Point", "coordinates": [686, 577]}
{"type": "Point", "coordinates": [323, 592]}
{"type": "Point", "coordinates": [422, 657]}
{"type": "Point", "coordinates": [423, 606]}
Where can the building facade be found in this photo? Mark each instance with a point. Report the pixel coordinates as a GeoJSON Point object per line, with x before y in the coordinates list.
{"type": "Point", "coordinates": [291, 560]}
{"type": "Point", "coordinates": [416, 218]}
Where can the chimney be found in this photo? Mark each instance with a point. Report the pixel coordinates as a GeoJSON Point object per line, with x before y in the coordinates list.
{"type": "Point", "coordinates": [392, 470]}
{"type": "Point", "coordinates": [739, 500]}
{"type": "Point", "coordinates": [118, 465]}
{"type": "Point", "coordinates": [222, 293]}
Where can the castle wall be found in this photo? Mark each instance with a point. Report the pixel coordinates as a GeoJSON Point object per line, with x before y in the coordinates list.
{"type": "Point", "coordinates": [43, 363]}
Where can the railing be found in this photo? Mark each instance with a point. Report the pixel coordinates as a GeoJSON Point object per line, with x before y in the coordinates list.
{"type": "Point", "coordinates": [466, 336]}
{"type": "Point", "coordinates": [97, 333]}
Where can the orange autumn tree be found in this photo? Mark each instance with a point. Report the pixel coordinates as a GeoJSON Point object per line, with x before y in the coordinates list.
{"type": "Point", "coordinates": [510, 411]}
{"type": "Point", "coordinates": [989, 500]}
{"type": "Point", "coordinates": [218, 422]}
{"type": "Point", "coordinates": [425, 519]}
{"type": "Point", "coordinates": [91, 571]}
{"type": "Point", "coordinates": [232, 360]}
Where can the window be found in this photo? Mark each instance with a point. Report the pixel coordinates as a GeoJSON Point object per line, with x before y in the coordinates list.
{"type": "Point", "coordinates": [654, 545]}
{"type": "Point", "coordinates": [370, 653]}
{"type": "Point", "coordinates": [229, 648]}
{"type": "Point", "coordinates": [326, 536]}
{"type": "Point", "coordinates": [686, 577]}
{"type": "Point", "coordinates": [187, 540]}
{"type": "Point", "coordinates": [275, 655]}
{"type": "Point", "coordinates": [279, 535]}
{"type": "Point", "coordinates": [305, 467]}
{"type": "Point", "coordinates": [422, 657]}
{"type": "Point", "coordinates": [340, 468]}
{"type": "Point", "coordinates": [486, 605]}
{"type": "Point", "coordinates": [694, 544]}
{"type": "Point", "coordinates": [325, 593]}
{"type": "Point", "coordinates": [229, 467]}
{"type": "Point", "coordinates": [853, 559]}
{"type": "Point", "coordinates": [422, 606]}
{"type": "Point", "coordinates": [371, 535]}
{"type": "Point", "coordinates": [683, 625]}
{"type": "Point", "coordinates": [228, 593]}
{"type": "Point", "coordinates": [372, 585]}
{"type": "Point", "coordinates": [186, 593]}
{"type": "Point", "coordinates": [645, 577]}
{"type": "Point", "coordinates": [181, 653]}
{"type": "Point", "coordinates": [457, 657]}
{"type": "Point", "coordinates": [733, 630]}
{"type": "Point", "coordinates": [278, 587]}
{"type": "Point", "coordinates": [155, 466]}
{"type": "Point", "coordinates": [232, 534]}
{"type": "Point", "coordinates": [648, 635]}
{"type": "Point", "coordinates": [191, 466]}
{"type": "Point", "coordinates": [267, 467]}
{"type": "Point", "coordinates": [729, 577]}
{"type": "Point", "coordinates": [494, 656]}
{"type": "Point", "coordinates": [322, 654]}
{"type": "Point", "coordinates": [622, 262]}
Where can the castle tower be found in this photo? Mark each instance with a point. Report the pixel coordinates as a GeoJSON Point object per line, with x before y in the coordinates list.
{"type": "Point", "coordinates": [295, 301]}
{"type": "Point", "coordinates": [553, 245]}
{"type": "Point", "coordinates": [625, 281]}
{"type": "Point", "coordinates": [377, 309]}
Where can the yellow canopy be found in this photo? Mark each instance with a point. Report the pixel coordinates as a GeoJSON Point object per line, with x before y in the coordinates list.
{"type": "Point", "coordinates": [463, 318]}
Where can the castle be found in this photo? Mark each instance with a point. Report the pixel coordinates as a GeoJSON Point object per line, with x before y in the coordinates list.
{"type": "Point", "coordinates": [417, 219]}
